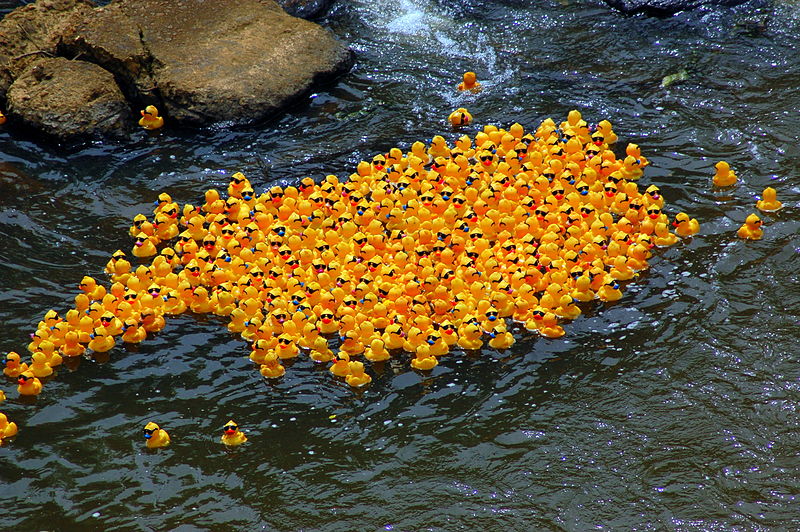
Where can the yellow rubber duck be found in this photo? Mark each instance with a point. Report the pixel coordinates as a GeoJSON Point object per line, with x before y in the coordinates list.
{"type": "Point", "coordinates": [423, 360]}
{"type": "Point", "coordinates": [460, 117]}
{"type": "Point", "coordinates": [549, 326]}
{"type": "Point", "coordinates": [231, 435]}
{"type": "Point", "coordinates": [356, 376]}
{"type": "Point", "coordinates": [156, 437]}
{"type": "Point", "coordinates": [724, 176]}
{"type": "Point", "coordinates": [685, 226]}
{"type": "Point", "coordinates": [769, 201]}
{"type": "Point", "coordinates": [470, 83]}
{"type": "Point", "coordinates": [101, 341]}
{"type": "Point", "coordinates": [500, 338]}
{"type": "Point", "coordinates": [751, 229]}
{"type": "Point", "coordinates": [7, 428]}
{"type": "Point", "coordinates": [150, 119]}
{"type": "Point", "coordinates": [609, 291]}
{"type": "Point", "coordinates": [39, 366]}
{"type": "Point", "coordinates": [376, 352]}
{"type": "Point", "coordinates": [144, 246]}
{"type": "Point", "coordinates": [2, 119]}
{"type": "Point", "coordinates": [28, 384]}
{"type": "Point", "coordinates": [14, 367]}
{"type": "Point", "coordinates": [272, 368]}
{"type": "Point", "coordinates": [341, 365]}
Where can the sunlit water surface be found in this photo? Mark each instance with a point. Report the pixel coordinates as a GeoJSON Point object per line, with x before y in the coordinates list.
{"type": "Point", "coordinates": [674, 409]}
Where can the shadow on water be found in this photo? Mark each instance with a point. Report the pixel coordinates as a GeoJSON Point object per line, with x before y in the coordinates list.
{"type": "Point", "coordinates": [675, 408]}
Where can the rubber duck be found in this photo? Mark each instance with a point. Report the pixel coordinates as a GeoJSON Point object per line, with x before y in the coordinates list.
{"type": "Point", "coordinates": [662, 237]}
{"type": "Point", "coordinates": [231, 435]}
{"type": "Point", "coordinates": [94, 291]}
{"type": "Point", "coordinates": [423, 360]}
{"type": "Point", "coordinates": [549, 326]}
{"type": "Point", "coordinates": [320, 352]}
{"type": "Point", "coordinates": [14, 367]}
{"type": "Point", "coordinates": [393, 336]}
{"type": "Point", "coordinates": [39, 366]}
{"type": "Point", "coordinates": [685, 226]}
{"type": "Point", "coordinates": [328, 323]}
{"type": "Point", "coordinates": [724, 176]}
{"type": "Point", "coordinates": [156, 436]}
{"type": "Point", "coordinates": [352, 342]}
{"type": "Point", "coordinates": [272, 368]}
{"type": "Point", "coordinates": [460, 117]}
{"type": "Point", "coordinates": [287, 348]}
{"type": "Point", "coordinates": [2, 119]}
{"type": "Point", "coordinates": [769, 201]}
{"type": "Point", "coordinates": [150, 119]}
{"type": "Point", "coordinates": [500, 338]}
{"type": "Point", "coordinates": [751, 229]}
{"type": "Point", "coordinates": [341, 365]}
{"type": "Point", "coordinates": [144, 246]}
{"type": "Point", "coordinates": [118, 267]}
{"type": "Point", "coordinates": [132, 333]}
{"type": "Point", "coordinates": [356, 376]}
{"type": "Point", "coordinates": [376, 352]}
{"type": "Point", "coordinates": [470, 83]}
{"type": "Point", "coordinates": [101, 341]}
{"type": "Point", "coordinates": [28, 384]}
{"type": "Point", "coordinates": [609, 291]}
{"type": "Point", "coordinates": [7, 428]}
{"type": "Point", "coordinates": [470, 335]}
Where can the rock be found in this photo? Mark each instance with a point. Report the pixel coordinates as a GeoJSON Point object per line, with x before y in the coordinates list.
{"type": "Point", "coordinates": [307, 9]}
{"type": "Point", "coordinates": [68, 99]}
{"type": "Point", "coordinates": [200, 64]}
{"type": "Point", "coordinates": [33, 31]}
{"type": "Point", "coordinates": [662, 8]}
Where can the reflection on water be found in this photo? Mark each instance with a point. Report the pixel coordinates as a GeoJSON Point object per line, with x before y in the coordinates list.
{"type": "Point", "coordinates": [673, 409]}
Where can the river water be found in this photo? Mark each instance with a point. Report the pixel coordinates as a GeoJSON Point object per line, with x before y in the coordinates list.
{"type": "Point", "coordinates": [674, 409]}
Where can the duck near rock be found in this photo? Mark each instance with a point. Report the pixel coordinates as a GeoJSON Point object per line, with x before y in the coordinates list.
{"type": "Point", "coordinates": [150, 119]}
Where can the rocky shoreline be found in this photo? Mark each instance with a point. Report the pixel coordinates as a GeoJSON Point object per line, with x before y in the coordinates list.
{"type": "Point", "coordinates": [71, 70]}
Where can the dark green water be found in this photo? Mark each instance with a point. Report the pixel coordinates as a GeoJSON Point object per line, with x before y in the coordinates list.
{"type": "Point", "coordinates": [674, 409]}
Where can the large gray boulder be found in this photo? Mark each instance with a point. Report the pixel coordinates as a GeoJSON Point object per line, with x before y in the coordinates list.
{"type": "Point", "coordinates": [198, 61]}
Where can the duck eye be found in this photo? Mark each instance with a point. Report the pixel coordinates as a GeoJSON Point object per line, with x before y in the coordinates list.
{"type": "Point", "coordinates": [230, 427]}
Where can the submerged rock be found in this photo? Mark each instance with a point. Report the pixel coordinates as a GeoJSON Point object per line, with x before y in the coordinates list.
{"type": "Point", "coordinates": [665, 7]}
{"type": "Point", "coordinates": [198, 63]}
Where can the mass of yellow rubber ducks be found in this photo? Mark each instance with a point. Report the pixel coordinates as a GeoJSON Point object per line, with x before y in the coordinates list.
{"type": "Point", "coordinates": [423, 252]}
{"type": "Point", "coordinates": [416, 255]}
